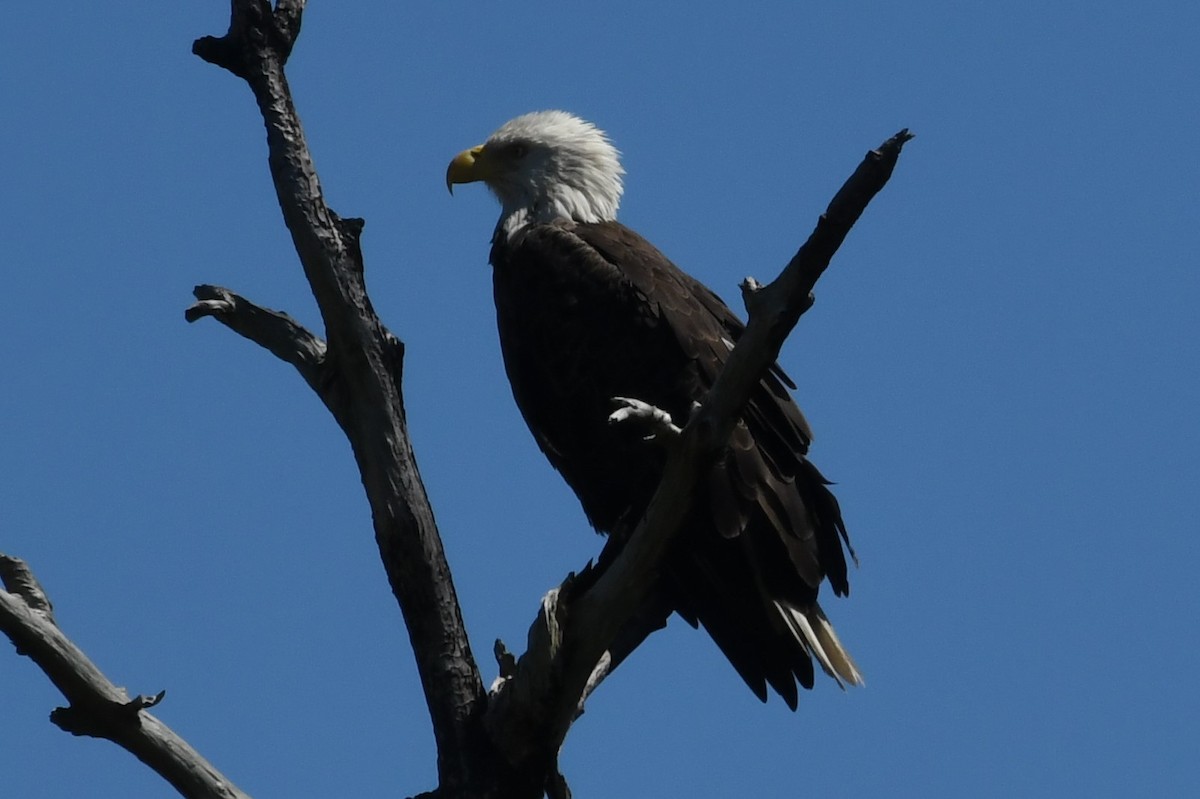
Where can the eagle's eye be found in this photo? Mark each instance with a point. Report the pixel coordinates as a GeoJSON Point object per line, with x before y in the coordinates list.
{"type": "Point", "coordinates": [518, 150]}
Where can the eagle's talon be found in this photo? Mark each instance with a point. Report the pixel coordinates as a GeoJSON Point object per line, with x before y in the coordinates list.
{"type": "Point", "coordinates": [660, 422]}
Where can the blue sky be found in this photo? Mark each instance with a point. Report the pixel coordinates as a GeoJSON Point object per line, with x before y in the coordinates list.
{"type": "Point", "coordinates": [1002, 369]}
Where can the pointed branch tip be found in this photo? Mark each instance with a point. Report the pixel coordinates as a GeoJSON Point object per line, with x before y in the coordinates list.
{"type": "Point", "coordinates": [18, 579]}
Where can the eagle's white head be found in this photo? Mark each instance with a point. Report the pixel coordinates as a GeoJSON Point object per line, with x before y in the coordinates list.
{"type": "Point", "coordinates": [545, 166]}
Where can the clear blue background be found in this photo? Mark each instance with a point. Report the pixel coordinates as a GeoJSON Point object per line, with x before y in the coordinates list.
{"type": "Point", "coordinates": [1002, 369]}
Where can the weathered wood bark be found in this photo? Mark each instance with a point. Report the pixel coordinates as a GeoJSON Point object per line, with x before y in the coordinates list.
{"type": "Point", "coordinates": [358, 377]}
{"type": "Point", "coordinates": [504, 744]}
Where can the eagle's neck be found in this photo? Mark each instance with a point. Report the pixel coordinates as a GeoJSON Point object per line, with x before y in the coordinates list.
{"type": "Point", "coordinates": [594, 199]}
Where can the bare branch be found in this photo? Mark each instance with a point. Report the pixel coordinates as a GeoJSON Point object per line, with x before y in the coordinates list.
{"type": "Point", "coordinates": [286, 338]}
{"type": "Point", "coordinates": [360, 382]}
{"type": "Point", "coordinates": [18, 579]}
{"type": "Point", "coordinates": [97, 708]}
{"type": "Point", "coordinates": [531, 711]}
{"type": "Point", "coordinates": [254, 25]}
{"type": "Point", "coordinates": [776, 308]}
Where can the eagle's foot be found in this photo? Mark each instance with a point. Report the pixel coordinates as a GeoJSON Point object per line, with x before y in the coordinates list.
{"type": "Point", "coordinates": [656, 419]}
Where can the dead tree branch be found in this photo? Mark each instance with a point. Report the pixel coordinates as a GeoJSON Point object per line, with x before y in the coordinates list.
{"type": "Point", "coordinates": [274, 331]}
{"type": "Point", "coordinates": [97, 708]}
{"type": "Point", "coordinates": [358, 377]}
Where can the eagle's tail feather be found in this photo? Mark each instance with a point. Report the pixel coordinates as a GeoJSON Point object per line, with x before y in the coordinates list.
{"type": "Point", "coordinates": [814, 632]}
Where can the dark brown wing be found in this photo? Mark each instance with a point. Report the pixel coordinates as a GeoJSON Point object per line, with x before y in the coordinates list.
{"type": "Point", "coordinates": [588, 312]}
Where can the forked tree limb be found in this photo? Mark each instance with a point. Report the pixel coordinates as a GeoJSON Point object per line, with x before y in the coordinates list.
{"type": "Point", "coordinates": [96, 707]}
{"type": "Point", "coordinates": [359, 381]}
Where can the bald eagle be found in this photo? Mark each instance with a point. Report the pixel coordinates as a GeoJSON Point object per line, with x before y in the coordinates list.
{"type": "Point", "coordinates": [588, 311]}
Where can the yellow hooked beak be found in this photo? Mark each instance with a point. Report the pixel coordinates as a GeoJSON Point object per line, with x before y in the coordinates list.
{"type": "Point", "coordinates": [470, 166]}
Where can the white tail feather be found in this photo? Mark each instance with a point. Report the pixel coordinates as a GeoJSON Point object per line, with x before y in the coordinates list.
{"type": "Point", "coordinates": [843, 664]}
{"type": "Point", "coordinates": [816, 635]}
